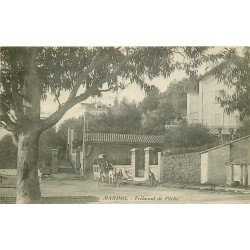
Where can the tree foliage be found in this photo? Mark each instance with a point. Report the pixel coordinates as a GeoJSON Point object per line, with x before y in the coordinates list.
{"type": "Point", "coordinates": [176, 96]}
{"type": "Point", "coordinates": [154, 122]}
{"type": "Point", "coordinates": [243, 130]}
{"type": "Point", "coordinates": [8, 155]}
{"type": "Point", "coordinates": [168, 106]}
{"type": "Point", "coordinates": [124, 118]}
{"type": "Point", "coordinates": [62, 133]}
{"type": "Point", "coordinates": [49, 139]}
{"type": "Point", "coordinates": [234, 71]}
{"type": "Point", "coordinates": [84, 71]}
{"type": "Point", "coordinates": [150, 102]}
{"type": "Point", "coordinates": [188, 136]}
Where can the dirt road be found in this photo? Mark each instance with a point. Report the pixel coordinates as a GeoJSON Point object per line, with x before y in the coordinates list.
{"type": "Point", "coordinates": [77, 191]}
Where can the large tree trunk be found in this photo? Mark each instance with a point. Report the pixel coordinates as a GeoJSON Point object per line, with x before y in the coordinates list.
{"type": "Point", "coordinates": [28, 187]}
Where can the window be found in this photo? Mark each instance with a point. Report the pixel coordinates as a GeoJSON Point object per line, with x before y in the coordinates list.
{"type": "Point", "coordinates": [218, 96]}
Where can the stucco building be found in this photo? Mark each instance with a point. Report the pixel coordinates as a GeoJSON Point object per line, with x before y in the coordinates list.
{"type": "Point", "coordinates": [227, 163]}
{"type": "Point", "coordinates": [203, 106]}
{"type": "Point", "coordinates": [96, 108]}
{"type": "Point", "coordinates": [90, 110]}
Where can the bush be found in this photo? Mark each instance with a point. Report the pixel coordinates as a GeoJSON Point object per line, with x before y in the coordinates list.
{"type": "Point", "coordinates": [8, 155]}
{"type": "Point", "coordinates": [243, 130]}
{"type": "Point", "coordinates": [188, 136]}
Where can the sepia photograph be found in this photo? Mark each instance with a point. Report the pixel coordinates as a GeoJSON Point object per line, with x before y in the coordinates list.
{"type": "Point", "coordinates": [124, 124]}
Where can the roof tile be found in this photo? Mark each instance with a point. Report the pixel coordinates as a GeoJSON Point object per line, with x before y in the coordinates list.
{"type": "Point", "coordinates": [124, 138]}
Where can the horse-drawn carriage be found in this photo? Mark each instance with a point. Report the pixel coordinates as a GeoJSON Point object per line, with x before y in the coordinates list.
{"type": "Point", "coordinates": [101, 168]}
{"type": "Point", "coordinates": [103, 171]}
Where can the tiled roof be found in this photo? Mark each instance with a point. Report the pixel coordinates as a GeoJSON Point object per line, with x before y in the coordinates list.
{"type": "Point", "coordinates": [124, 138]}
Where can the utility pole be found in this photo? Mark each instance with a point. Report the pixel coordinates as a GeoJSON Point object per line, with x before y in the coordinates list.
{"type": "Point", "coordinates": [85, 123]}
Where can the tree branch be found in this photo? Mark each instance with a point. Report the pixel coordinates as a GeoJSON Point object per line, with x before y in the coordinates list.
{"type": "Point", "coordinates": [95, 63]}
{"type": "Point", "coordinates": [105, 90]}
{"type": "Point", "coordinates": [90, 91]}
{"type": "Point", "coordinates": [8, 123]}
{"type": "Point", "coordinates": [17, 103]}
{"type": "Point", "coordinates": [5, 126]}
{"type": "Point", "coordinates": [9, 94]}
{"type": "Point", "coordinates": [7, 105]}
{"type": "Point", "coordinates": [73, 99]}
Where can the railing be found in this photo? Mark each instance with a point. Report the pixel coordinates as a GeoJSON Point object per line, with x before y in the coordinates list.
{"type": "Point", "coordinates": [224, 129]}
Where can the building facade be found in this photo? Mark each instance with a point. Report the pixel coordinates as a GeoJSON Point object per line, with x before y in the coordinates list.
{"type": "Point", "coordinates": [231, 158]}
{"type": "Point", "coordinates": [90, 110]}
{"type": "Point", "coordinates": [96, 108]}
{"type": "Point", "coordinates": [203, 106]}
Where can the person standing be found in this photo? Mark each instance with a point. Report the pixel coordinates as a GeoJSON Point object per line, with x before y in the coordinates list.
{"type": "Point", "coordinates": [119, 178]}
{"type": "Point", "coordinates": [151, 179]}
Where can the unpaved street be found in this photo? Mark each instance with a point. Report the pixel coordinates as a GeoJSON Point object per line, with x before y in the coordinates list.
{"type": "Point", "coordinates": [66, 190]}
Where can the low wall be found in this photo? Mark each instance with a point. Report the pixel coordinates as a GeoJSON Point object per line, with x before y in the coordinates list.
{"type": "Point", "coordinates": [9, 172]}
{"type": "Point", "coordinates": [181, 168]}
{"type": "Point", "coordinates": [8, 178]}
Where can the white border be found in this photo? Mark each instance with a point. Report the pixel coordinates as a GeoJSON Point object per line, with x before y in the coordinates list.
{"type": "Point", "coordinates": [124, 23]}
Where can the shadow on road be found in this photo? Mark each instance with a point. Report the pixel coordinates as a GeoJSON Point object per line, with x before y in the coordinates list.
{"type": "Point", "coordinates": [56, 200]}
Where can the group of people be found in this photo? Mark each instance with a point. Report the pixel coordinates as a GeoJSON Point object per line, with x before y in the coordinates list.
{"type": "Point", "coordinates": [108, 171]}
{"type": "Point", "coordinates": [114, 176]}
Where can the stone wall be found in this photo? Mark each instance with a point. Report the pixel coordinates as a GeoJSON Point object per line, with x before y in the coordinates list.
{"type": "Point", "coordinates": [181, 168]}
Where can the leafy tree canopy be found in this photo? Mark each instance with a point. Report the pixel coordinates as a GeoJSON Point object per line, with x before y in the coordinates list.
{"type": "Point", "coordinates": [124, 117]}
{"type": "Point", "coordinates": [8, 155]}
{"type": "Point", "coordinates": [28, 74]}
{"type": "Point", "coordinates": [243, 130]}
{"type": "Point", "coordinates": [150, 102]}
{"type": "Point", "coordinates": [234, 71]}
{"type": "Point", "coordinates": [188, 136]}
